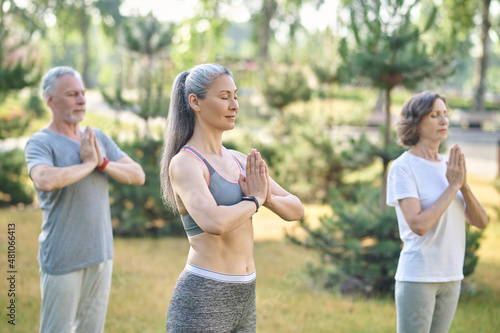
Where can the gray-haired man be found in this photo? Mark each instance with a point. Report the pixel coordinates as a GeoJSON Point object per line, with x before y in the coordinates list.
{"type": "Point", "coordinates": [70, 167]}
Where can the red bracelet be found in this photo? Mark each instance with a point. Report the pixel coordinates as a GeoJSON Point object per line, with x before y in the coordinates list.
{"type": "Point", "coordinates": [105, 162]}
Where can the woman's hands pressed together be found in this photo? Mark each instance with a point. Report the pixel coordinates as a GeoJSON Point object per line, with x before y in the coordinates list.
{"type": "Point", "coordinates": [256, 181]}
{"type": "Point", "coordinates": [455, 168]}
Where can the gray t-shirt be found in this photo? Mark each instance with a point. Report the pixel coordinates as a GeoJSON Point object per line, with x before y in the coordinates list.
{"type": "Point", "coordinates": [76, 229]}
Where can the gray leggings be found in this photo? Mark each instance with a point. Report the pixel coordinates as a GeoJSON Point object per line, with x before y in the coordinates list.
{"type": "Point", "coordinates": [426, 307]}
{"type": "Point", "coordinates": [200, 304]}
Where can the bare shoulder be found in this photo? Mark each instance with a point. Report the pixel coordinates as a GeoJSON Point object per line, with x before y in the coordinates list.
{"type": "Point", "coordinates": [185, 164]}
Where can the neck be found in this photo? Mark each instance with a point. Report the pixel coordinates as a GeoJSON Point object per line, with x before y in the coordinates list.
{"type": "Point", "coordinates": [427, 150]}
{"type": "Point", "coordinates": [206, 141]}
{"type": "Point", "coordinates": [71, 131]}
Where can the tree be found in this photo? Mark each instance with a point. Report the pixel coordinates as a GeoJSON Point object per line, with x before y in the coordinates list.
{"type": "Point", "coordinates": [284, 11]}
{"type": "Point", "coordinates": [358, 244]}
{"type": "Point", "coordinates": [77, 15]}
{"type": "Point", "coordinates": [323, 57]}
{"type": "Point", "coordinates": [390, 50]}
{"type": "Point", "coordinates": [148, 42]}
{"type": "Point", "coordinates": [484, 57]}
{"type": "Point", "coordinates": [18, 62]}
{"type": "Point", "coordinates": [285, 84]}
{"type": "Point", "coordinates": [201, 38]}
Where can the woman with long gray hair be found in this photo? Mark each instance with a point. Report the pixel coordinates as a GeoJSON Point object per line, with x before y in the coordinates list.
{"type": "Point", "coordinates": [216, 191]}
{"type": "Point", "coordinates": [432, 200]}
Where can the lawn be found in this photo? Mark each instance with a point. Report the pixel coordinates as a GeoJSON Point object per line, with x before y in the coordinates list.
{"type": "Point", "coordinates": [145, 272]}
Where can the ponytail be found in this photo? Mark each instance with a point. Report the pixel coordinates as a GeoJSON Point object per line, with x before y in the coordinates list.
{"type": "Point", "coordinates": [180, 126]}
{"type": "Point", "coordinates": [181, 117]}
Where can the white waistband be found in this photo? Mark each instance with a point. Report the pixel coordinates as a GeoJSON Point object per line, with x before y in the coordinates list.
{"type": "Point", "coordinates": [234, 278]}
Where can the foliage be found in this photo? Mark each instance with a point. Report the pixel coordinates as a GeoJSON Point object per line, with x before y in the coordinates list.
{"type": "Point", "coordinates": [203, 37]}
{"type": "Point", "coordinates": [497, 187]}
{"type": "Point", "coordinates": [18, 62]}
{"type": "Point", "coordinates": [13, 178]}
{"type": "Point", "coordinates": [323, 56]}
{"type": "Point", "coordinates": [13, 125]}
{"type": "Point", "coordinates": [304, 155]}
{"type": "Point", "coordinates": [272, 14]}
{"type": "Point", "coordinates": [471, 247]}
{"type": "Point", "coordinates": [391, 50]}
{"type": "Point", "coordinates": [139, 210]}
{"type": "Point", "coordinates": [16, 117]}
{"type": "Point", "coordinates": [284, 85]}
{"type": "Point", "coordinates": [76, 16]}
{"type": "Point", "coordinates": [359, 244]}
{"type": "Point", "coordinates": [148, 42]}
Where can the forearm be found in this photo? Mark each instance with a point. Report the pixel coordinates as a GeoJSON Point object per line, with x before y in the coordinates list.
{"type": "Point", "coordinates": [127, 173]}
{"type": "Point", "coordinates": [223, 219]}
{"type": "Point", "coordinates": [288, 207]}
{"type": "Point", "coordinates": [52, 178]}
{"type": "Point", "coordinates": [421, 222]}
{"type": "Point", "coordinates": [474, 211]}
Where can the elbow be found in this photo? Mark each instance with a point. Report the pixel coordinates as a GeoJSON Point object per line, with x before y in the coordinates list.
{"type": "Point", "coordinates": [214, 227]}
{"type": "Point", "coordinates": [214, 230]}
{"type": "Point", "coordinates": [141, 180]}
{"type": "Point", "coordinates": [44, 186]}
{"type": "Point", "coordinates": [301, 213]}
{"type": "Point", "coordinates": [419, 230]}
{"type": "Point", "coordinates": [297, 215]}
{"type": "Point", "coordinates": [483, 224]}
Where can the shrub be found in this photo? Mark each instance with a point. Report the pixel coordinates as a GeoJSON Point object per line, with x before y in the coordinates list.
{"type": "Point", "coordinates": [359, 244]}
{"type": "Point", "coordinates": [139, 210]}
{"type": "Point", "coordinates": [13, 179]}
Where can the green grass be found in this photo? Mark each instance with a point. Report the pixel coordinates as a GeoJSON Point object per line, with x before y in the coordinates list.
{"type": "Point", "coordinates": [145, 272]}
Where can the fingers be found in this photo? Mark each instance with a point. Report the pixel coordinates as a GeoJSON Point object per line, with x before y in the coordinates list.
{"type": "Point", "coordinates": [454, 158]}
{"type": "Point", "coordinates": [253, 162]}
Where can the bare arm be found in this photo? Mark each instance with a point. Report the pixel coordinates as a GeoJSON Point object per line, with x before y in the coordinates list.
{"type": "Point", "coordinates": [48, 178]}
{"type": "Point", "coordinates": [190, 186]}
{"type": "Point", "coordinates": [279, 201]}
{"type": "Point", "coordinates": [125, 170]}
{"type": "Point", "coordinates": [474, 211]}
{"type": "Point", "coordinates": [282, 203]}
{"type": "Point", "coordinates": [421, 221]}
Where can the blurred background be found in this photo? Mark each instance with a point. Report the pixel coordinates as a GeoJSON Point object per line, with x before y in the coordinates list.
{"type": "Point", "coordinates": [320, 84]}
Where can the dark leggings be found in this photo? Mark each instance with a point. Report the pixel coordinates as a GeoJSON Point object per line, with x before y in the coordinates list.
{"type": "Point", "coordinates": [200, 304]}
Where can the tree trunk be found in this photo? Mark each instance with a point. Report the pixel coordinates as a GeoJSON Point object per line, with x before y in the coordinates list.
{"type": "Point", "coordinates": [84, 30]}
{"type": "Point", "coordinates": [268, 10]}
{"type": "Point", "coordinates": [483, 60]}
{"type": "Point", "coordinates": [387, 141]}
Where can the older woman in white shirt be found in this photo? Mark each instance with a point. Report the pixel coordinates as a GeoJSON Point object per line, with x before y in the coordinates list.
{"type": "Point", "coordinates": [432, 201]}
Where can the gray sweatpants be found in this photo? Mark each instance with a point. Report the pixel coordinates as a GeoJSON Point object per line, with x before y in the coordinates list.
{"type": "Point", "coordinates": [201, 304]}
{"type": "Point", "coordinates": [426, 307]}
{"type": "Point", "coordinates": [75, 302]}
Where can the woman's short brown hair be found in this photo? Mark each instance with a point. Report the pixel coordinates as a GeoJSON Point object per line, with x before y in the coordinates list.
{"type": "Point", "coordinates": [412, 113]}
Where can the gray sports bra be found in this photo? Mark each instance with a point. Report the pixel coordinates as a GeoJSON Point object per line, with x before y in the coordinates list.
{"type": "Point", "coordinates": [225, 192]}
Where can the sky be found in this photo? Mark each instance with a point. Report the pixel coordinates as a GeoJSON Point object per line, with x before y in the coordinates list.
{"type": "Point", "coordinates": [177, 10]}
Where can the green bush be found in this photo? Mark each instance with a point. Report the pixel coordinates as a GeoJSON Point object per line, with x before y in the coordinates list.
{"type": "Point", "coordinates": [359, 244]}
{"type": "Point", "coordinates": [139, 210]}
{"type": "Point", "coordinates": [471, 246]}
{"type": "Point", "coordinates": [13, 179]}
{"type": "Point", "coordinates": [304, 155]}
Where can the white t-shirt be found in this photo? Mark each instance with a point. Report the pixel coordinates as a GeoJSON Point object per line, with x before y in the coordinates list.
{"type": "Point", "coordinates": [437, 256]}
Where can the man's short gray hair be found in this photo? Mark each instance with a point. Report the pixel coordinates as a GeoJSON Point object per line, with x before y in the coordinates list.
{"type": "Point", "coordinates": [50, 78]}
